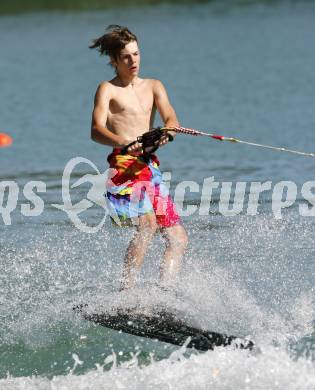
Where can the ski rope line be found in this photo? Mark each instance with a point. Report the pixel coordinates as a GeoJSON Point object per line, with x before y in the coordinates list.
{"type": "Point", "coordinates": [185, 130]}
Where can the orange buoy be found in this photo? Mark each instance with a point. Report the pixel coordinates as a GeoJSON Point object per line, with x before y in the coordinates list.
{"type": "Point", "coordinates": [5, 140]}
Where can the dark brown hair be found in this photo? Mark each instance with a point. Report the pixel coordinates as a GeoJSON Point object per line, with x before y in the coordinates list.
{"type": "Point", "coordinates": [113, 41]}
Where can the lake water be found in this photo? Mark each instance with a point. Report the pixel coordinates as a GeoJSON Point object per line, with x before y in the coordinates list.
{"type": "Point", "coordinates": [239, 70]}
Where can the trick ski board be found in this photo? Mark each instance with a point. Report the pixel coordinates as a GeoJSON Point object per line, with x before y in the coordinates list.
{"type": "Point", "coordinates": [164, 327]}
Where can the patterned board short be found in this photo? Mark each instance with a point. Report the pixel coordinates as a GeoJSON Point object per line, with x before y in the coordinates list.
{"type": "Point", "coordinates": [136, 188]}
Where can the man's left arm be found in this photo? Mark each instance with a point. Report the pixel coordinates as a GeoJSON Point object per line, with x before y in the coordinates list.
{"type": "Point", "coordinates": [165, 108]}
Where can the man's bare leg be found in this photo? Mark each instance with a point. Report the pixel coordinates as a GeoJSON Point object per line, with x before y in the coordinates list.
{"type": "Point", "coordinates": [176, 243]}
{"type": "Point", "coordinates": [137, 249]}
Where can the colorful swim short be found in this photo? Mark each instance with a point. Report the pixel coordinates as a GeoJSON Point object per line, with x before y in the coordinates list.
{"type": "Point", "coordinates": [136, 188]}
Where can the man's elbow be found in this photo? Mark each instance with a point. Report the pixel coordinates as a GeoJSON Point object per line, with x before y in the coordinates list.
{"type": "Point", "coordinates": [93, 133]}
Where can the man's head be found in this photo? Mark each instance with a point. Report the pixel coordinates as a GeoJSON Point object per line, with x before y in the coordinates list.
{"type": "Point", "coordinates": [121, 45]}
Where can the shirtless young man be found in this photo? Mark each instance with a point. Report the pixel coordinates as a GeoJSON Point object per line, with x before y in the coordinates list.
{"type": "Point", "coordinates": [124, 109]}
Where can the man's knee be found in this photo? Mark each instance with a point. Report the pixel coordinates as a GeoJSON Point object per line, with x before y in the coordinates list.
{"type": "Point", "coordinates": [177, 238]}
{"type": "Point", "coordinates": [182, 238]}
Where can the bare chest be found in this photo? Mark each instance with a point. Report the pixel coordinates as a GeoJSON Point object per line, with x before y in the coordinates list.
{"type": "Point", "coordinates": [131, 101]}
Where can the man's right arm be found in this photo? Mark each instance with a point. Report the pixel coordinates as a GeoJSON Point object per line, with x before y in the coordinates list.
{"type": "Point", "coordinates": [99, 132]}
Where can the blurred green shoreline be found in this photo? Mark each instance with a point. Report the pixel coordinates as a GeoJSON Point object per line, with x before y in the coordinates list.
{"type": "Point", "coordinates": [21, 6]}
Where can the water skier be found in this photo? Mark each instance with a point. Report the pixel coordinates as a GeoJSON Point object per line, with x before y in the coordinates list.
{"type": "Point", "coordinates": [124, 109]}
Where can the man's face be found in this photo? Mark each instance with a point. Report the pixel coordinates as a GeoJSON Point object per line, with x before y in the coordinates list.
{"type": "Point", "coordinates": [128, 62]}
